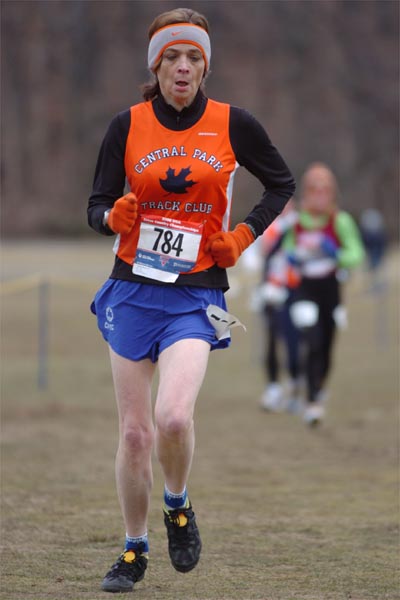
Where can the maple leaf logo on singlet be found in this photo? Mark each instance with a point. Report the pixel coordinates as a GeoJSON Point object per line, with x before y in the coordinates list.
{"type": "Point", "coordinates": [177, 184]}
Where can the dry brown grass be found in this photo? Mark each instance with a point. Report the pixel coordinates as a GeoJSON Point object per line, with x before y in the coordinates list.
{"type": "Point", "coordinates": [285, 513]}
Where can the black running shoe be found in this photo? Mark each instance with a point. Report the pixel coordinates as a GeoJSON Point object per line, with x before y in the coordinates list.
{"type": "Point", "coordinates": [184, 543]}
{"type": "Point", "coordinates": [128, 569]}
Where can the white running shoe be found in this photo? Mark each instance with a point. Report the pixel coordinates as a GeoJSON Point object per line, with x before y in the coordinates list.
{"type": "Point", "coordinates": [294, 400]}
{"type": "Point", "coordinates": [271, 399]}
{"type": "Point", "coordinates": [314, 413]}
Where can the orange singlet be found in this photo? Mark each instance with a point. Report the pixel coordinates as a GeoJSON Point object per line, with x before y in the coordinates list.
{"type": "Point", "coordinates": [187, 178]}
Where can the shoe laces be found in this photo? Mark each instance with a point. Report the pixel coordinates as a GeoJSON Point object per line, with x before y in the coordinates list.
{"type": "Point", "coordinates": [135, 565]}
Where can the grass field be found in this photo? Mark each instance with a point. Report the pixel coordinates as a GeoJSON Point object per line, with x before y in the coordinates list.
{"type": "Point", "coordinates": [285, 512]}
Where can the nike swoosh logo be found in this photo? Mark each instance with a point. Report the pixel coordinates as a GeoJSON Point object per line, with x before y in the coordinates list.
{"type": "Point", "coordinates": [174, 33]}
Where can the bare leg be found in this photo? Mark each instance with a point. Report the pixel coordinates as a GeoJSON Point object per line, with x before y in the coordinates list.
{"type": "Point", "coordinates": [132, 382]}
{"type": "Point", "coordinates": [182, 368]}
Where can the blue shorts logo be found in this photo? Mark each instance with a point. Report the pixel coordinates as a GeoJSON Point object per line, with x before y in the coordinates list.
{"type": "Point", "coordinates": [110, 317]}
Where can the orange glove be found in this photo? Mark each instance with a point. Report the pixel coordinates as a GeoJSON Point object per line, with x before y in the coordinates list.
{"type": "Point", "coordinates": [123, 214]}
{"type": "Point", "coordinates": [227, 246]}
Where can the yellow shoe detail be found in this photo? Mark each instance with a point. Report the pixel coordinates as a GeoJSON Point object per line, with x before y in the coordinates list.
{"type": "Point", "coordinates": [129, 556]}
{"type": "Point", "coordinates": [182, 520]}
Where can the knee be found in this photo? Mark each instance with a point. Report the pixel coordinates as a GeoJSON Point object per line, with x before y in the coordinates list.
{"type": "Point", "coordinates": [174, 426]}
{"type": "Point", "coordinates": [136, 440]}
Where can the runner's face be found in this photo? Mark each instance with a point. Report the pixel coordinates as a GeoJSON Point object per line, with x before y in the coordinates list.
{"type": "Point", "coordinates": [319, 193]}
{"type": "Point", "coordinates": [180, 74]}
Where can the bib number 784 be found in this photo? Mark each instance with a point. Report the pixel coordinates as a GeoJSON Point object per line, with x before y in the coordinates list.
{"type": "Point", "coordinates": [166, 247]}
{"type": "Point", "coordinates": [166, 242]}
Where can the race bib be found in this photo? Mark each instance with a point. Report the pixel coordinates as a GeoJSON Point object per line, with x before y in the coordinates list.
{"type": "Point", "coordinates": [166, 248]}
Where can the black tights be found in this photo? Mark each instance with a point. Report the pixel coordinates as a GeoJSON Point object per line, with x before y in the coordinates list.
{"type": "Point", "coordinates": [280, 330]}
{"type": "Point", "coordinates": [318, 340]}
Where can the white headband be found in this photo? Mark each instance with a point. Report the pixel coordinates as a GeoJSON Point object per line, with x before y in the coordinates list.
{"type": "Point", "coordinates": [180, 33]}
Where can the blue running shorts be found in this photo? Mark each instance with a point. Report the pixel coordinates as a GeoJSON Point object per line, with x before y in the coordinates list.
{"type": "Point", "coordinates": [140, 320]}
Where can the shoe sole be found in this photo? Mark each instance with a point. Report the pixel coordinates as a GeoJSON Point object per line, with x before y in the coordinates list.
{"type": "Point", "coordinates": [185, 569]}
{"type": "Point", "coordinates": [120, 589]}
{"type": "Point", "coordinates": [314, 423]}
{"type": "Point", "coordinates": [117, 590]}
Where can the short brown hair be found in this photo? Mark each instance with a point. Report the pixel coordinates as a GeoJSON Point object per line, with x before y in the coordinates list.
{"type": "Point", "coordinates": [151, 89]}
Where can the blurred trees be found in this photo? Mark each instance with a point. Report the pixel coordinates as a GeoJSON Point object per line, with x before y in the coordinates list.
{"type": "Point", "coordinates": [321, 75]}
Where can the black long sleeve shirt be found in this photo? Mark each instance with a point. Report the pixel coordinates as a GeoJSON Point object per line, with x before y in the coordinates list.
{"type": "Point", "coordinates": [253, 150]}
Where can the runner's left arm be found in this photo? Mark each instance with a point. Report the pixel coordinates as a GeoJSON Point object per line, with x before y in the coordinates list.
{"type": "Point", "coordinates": [351, 252]}
{"type": "Point", "coordinates": [254, 151]}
